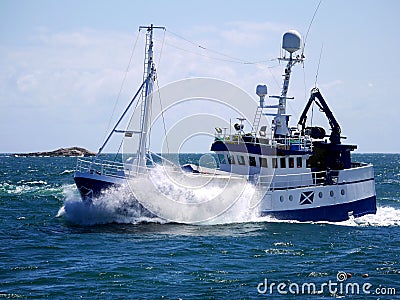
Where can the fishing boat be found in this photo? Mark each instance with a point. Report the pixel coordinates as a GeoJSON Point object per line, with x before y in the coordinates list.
{"type": "Point", "coordinates": [304, 173]}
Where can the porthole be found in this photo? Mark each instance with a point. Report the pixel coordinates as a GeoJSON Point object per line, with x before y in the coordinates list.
{"type": "Point", "coordinates": [342, 192]}
{"type": "Point", "coordinates": [290, 198]}
{"type": "Point", "coordinates": [320, 194]}
{"type": "Point", "coordinates": [331, 193]}
{"type": "Point", "coordinates": [281, 198]}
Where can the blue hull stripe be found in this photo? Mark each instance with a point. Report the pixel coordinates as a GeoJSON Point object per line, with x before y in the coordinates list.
{"type": "Point", "coordinates": [331, 213]}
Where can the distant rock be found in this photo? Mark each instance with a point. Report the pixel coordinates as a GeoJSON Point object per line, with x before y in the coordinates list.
{"type": "Point", "coordinates": [73, 151]}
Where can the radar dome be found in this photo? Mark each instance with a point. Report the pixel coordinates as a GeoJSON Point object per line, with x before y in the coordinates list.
{"type": "Point", "coordinates": [291, 41]}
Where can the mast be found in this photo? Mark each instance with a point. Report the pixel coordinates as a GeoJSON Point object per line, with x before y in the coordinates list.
{"type": "Point", "coordinates": [291, 43]}
{"type": "Point", "coordinates": [148, 77]}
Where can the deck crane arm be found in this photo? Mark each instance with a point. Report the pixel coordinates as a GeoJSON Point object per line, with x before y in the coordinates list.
{"type": "Point", "coordinates": [316, 97]}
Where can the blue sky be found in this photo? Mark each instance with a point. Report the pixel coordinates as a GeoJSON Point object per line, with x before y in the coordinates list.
{"type": "Point", "coordinates": [62, 63]}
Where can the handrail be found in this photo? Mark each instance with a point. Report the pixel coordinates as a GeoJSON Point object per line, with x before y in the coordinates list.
{"type": "Point", "coordinates": [105, 167]}
{"type": "Point", "coordinates": [288, 181]}
{"type": "Point", "coordinates": [302, 141]}
{"type": "Point", "coordinates": [294, 174]}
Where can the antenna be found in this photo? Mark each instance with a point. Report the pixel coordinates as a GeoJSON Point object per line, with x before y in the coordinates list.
{"type": "Point", "coordinates": [309, 26]}
{"type": "Point", "coordinates": [319, 62]}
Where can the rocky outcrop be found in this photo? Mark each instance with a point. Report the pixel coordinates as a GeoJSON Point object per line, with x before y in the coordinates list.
{"type": "Point", "coordinates": [73, 151]}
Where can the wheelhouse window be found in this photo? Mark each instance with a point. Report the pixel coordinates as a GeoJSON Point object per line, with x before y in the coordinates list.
{"type": "Point", "coordinates": [263, 162]}
{"type": "Point", "coordinates": [283, 162]}
{"type": "Point", "coordinates": [221, 159]}
{"type": "Point", "coordinates": [299, 162]}
{"type": "Point", "coordinates": [241, 160]}
{"type": "Point", "coordinates": [291, 162]}
{"type": "Point", "coordinates": [231, 159]}
{"type": "Point", "coordinates": [252, 161]}
{"type": "Point", "coordinates": [274, 162]}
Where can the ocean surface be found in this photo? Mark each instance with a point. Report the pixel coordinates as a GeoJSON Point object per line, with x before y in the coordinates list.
{"type": "Point", "coordinates": [48, 250]}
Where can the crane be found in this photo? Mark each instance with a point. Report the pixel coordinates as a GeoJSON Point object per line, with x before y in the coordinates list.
{"type": "Point", "coordinates": [316, 97]}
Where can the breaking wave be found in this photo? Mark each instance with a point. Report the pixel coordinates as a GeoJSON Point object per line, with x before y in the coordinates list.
{"type": "Point", "coordinates": [214, 203]}
{"type": "Point", "coordinates": [113, 206]}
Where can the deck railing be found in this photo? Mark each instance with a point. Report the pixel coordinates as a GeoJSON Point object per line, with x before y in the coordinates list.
{"type": "Point", "coordinates": [289, 181]}
{"type": "Point", "coordinates": [101, 167]}
{"type": "Point", "coordinates": [107, 168]}
{"type": "Point", "coordinates": [288, 143]}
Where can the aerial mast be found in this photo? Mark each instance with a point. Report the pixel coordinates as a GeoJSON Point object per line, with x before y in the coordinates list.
{"type": "Point", "coordinates": [291, 43]}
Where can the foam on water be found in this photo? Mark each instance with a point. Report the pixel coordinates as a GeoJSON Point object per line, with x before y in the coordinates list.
{"type": "Point", "coordinates": [33, 182]}
{"type": "Point", "coordinates": [196, 199]}
{"type": "Point", "coordinates": [67, 172]}
{"type": "Point", "coordinates": [38, 188]}
{"type": "Point", "coordinates": [385, 216]}
{"type": "Point", "coordinates": [118, 205]}
{"type": "Point", "coordinates": [113, 206]}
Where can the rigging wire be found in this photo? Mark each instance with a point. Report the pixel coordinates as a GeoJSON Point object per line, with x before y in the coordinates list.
{"type": "Point", "coordinates": [162, 115]}
{"type": "Point", "coordinates": [305, 83]}
{"type": "Point", "coordinates": [304, 46]}
{"type": "Point", "coordinates": [319, 62]}
{"type": "Point", "coordinates": [312, 113]}
{"type": "Point", "coordinates": [309, 26]}
{"type": "Point", "coordinates": [122, 85]}
{"type": "Point", "coordinates": [277, 83]}
{"type": "Point", "coordinates": [204, 48]}
{"type": "Point", "coordinates": [161, 50]}
{"type": "Point", "coordinates": [221, 59]}
{"type": "Point", "coordinates": [119, 149]}
{"type": "Point", "coordinates": [228, 58]}
{"type": "Point", "coordinates": [156, 79]}
{"type": "Point", "coordinates": [137, 103]}
{"type": "Point", "coordinates": [151, 115]}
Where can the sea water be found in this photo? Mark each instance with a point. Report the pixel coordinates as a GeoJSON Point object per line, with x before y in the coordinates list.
{"type": "Point", "coordinates": [52, 246]}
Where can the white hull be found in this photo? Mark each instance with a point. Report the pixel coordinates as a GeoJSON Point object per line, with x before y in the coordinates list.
{"type": "Point", "coordinates": [352, 195]}
{"type": "Point", "coordinates": [336, 202]}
